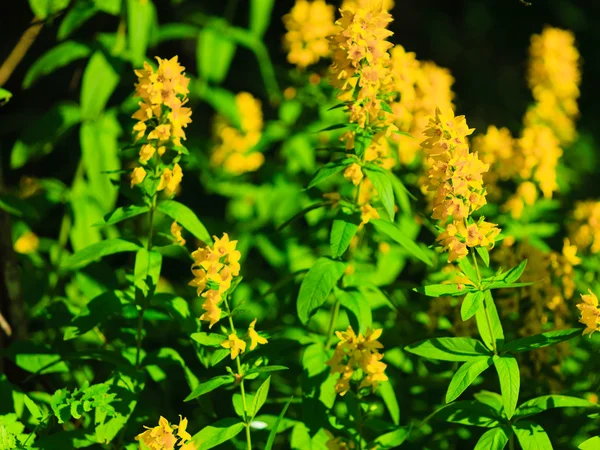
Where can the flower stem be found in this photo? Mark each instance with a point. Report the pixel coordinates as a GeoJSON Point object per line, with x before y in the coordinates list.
{"type": "Point", "coordinates": [242, 389]}
{"type": "Point", "coordinates": [334, 315]}
{"type": "Point", "coordinates": [485, 308]}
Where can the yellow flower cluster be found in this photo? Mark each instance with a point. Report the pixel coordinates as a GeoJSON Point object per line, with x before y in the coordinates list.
{"type": "Point", "coordinates": [554, 78]}
{"type": "Point", "coordinates": [497, 149]}
{"type": "Point", "coordinates": [422, 87]}
{"type": "Point", "coordinates": [162, 117]}
{"type": "Point", "coordinates": [214, 268]}
{"type": "Point", "coordinates": [455, 178]}
{"type": "Point", "coordinates": [590, 313]}
{"type": "Point", "coordinates": [162, 436]}
{"type": "Point", "coordinates": [584, 230]}
{"type": "Point", "coordinates": [354, 4]}
{"type": "Point", "coordinates": [308, 25]}
{"type": "Point", "coordinates": [361, 63]}
{"type": "Point", "coordinates": [234, 146]}
{"type": "Point", "coordinates": [27, 243]}
{"type": "Point", "coordinates": [238, 346]}
{"type": "Point", "coordinates": [358, 358]}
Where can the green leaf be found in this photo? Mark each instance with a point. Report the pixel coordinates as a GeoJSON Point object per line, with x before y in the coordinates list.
{"type": "Point", "coordinates": [494, 439]}
{"type": "Point", "coordinates": [260, 16]}
{"type": "Point", "coordinates": [44, 8]}
{"type": "Point", "coordinates": [515, 273]}
{"type": "Point", "coordinates": [214, 53]}
{"type": "Point", "coordinates": [385, 107]}
{"type": "Point", "coordinates": [393, 439]}
{"type": "Point", "coordinates": [590, 444]}
{"type": "Point", "coordinates": [97, 311]}
{"type": "Point", "coordinates": [471, 304]}
{"type": "Point", "coordinates": [541, 340]}
{"type": "Point", "coordinates": [185, 217]}
{"type": "Point", "coordinates": [147, 271]}
{"type": "Point", "coordinates": [77, 16]}
{"type": "Point", "coordinates": [209, 386]}
{"type": "Point", "coordinates": [531, 436]}
{"type": "Point", "coordinates": [140, 20]}
{"type": "Point", "coordinates": [358, 306]}
{"type": "Point", "coordinates": [469, 413]}
{"type": "Point", "coordinates": [317, 285]}
{"type": "Point", "coordinates": [96, 251]}
{"type": "Point", "coordinates": [484, 255]}
{"type": "Point", "coordinates": [260, 398]}
{"type": "Point", "coordinates": [5, 96]}
{"type": "Point", "coordinates": [337, 126]}
{"type": "Point", "coordinates": [382, 183]}
{"type": "Point", "coordinates": [481, 317]}
{"type": "Point", "coordinates": [465, 375]}
{"type": "Point", "coordinates": [176, 31]}
{"type": "Point", "coordinates": [393, 231]}
{"type": "Point", "coordinates": [510, 381]}
{"type": "Point", "coordinates": [7, 439]}
{"type": "Point", "coordinates": [440, 290]}
{"type": "Point", "coordinates": [342, 232]}
{"type": "Point", "coordinates": [329, 169]}
{"type": "Point", "coordinates": [469, 270]}
{"type": "Point", "coordinates": [273, 432]}
{"type": "Point", "coordinates": [209, 339]}
{"type": "Point", "coordinates": [112, 7]}
{"type": "Point", "coordinates": [217, 433]}
{"type": "Point", "coordinates": [449, 349]}
{"type": "Point", "coordinates": [42, 136]}
{"type": "Point", "coordinates": [36, 358]}
{"type": "Point", "coordinates": [124, 213]}
{"type": "Point", "coordinates": [98, 83]}
{"type": "Point", "coordinates": [386, 390]}
{"type": "Point", "coordinates": [256, 371]}
{"type": "Point", "coordinates": [55, 58]}
{"type": "Point", "coordinates": [33, 409]}
{"type": "Point", "coordinates": [17, 207]}
{"type": "Point", "coordinates": [545, 402]}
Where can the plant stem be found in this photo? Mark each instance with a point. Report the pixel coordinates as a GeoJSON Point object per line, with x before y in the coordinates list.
{"type": "Point", "coordinates": [485, 308]}
{"type": "Point", "coordinates": [140, 325]}
{"type": "Point", "coordinates": [359, 421]}
{"type": "Point", "coordinates": [334, 315]}
{"type": "Point", "coordinates": [511, 442]}
{"type": "Point", "coordinates": [242, 389]}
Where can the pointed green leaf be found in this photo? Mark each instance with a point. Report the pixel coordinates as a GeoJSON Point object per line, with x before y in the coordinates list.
{"type": "Point", "coordinates": [96, 251]}
{"type": "Point", "coordinates": [531, 436]}
{"type": "Point", "coordinates": [545, 402]}
{"type": "Point", "coordinates": [494, 439]}
{"type": "Point", "coordinates": [260, 398]}
{"type": "Point", "coordinates": [440, 290]}
{"type": "Point", "coordinates": [541, 340]}
{"type": "Point", "coordinates": [449, 349]}
{"type": "Point", "coordinates": [469, 413]}
{"type": "Point", "coordinates": [510, 381]}
{"type": "Point", "coordinates": [185, 217]}
{"type": "Point", "coordinates": [210, 385]}
{"type": "Point", "coordinates": [515, 273]}
{"type": "Point", "coordinates": [465, 375]}
{"type": "Point", "coordinates": [124, 213]}
{"type": "Point", "coordinates": [217, 433]}
{"type": "Point", "coordinates": [386, 390]}
{"type": "Point", "coordinates": [140, 21]}
{"type": "Point", "coordinates": [54, 59]}
{"type": "Point", "coordinates": [260, 16]}
{"type": "Point", "coordinates": [329, 169]}
{"type": "Point", "coordinates": [490, 312]}
{"type": "Point", "coordinates": [273, 433]}
{"type": "Point", "coordinates": [393, 231]}
{"type": "Point", "coordinates": [471, 304]}
{"type": "Point", "coordinates": [590, 444]}
{"type": "Point", "coordinates": [214, 53]}
{"type": "Point", "coordinates": [383, 185]}
{"type": "Point", "coordinates": [97, 85]}
{"type": "Point", "coordinates": [342, 232]}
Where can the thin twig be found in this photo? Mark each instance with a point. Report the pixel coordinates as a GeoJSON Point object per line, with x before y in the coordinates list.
{"type": "Point", "coordinates": [19, 51]}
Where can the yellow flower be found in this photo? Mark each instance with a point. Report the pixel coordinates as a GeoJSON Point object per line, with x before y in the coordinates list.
{"type": "Point", "coordinates": [27, 243]}
{"type": "Point", "coordinates": [211, 306]}
{"type": "Point", "coordinates": [140, 129]}
{"type": "Point", "coordinates": [161, 132]}
{"type": "Point", "coordinates": [137, 176]}
{"type": "Point", "coordinates": [182, 429]}
{"type": "Point", "coordinates": [158, 438]}
{"type": "Point", "coordinates": [170, 179]}
{"type": "Point", "coordinates": [146, 152]}
{"type": "Point", "coordinates": [367, 212]}
{"type": "Point", "coordinates": [255, 338]}
{"type": "Point", "coordinates": [176, 233]}
{"type": "Point", "coordinates": [584, 230]}
{"type": "Point", "coordinates": [235, 344]}
{"type": "Point", "coordinates": [590, 314]}
{"type": "Point", "coordinates": [308, 25]}
{"type": "Point", "coordinates": [353, 173]}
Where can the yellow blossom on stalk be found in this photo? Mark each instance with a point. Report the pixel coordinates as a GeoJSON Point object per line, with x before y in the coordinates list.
{"type": "Point", "coordinates": [584, 230]}
{"type": "Point", "coordinates": [176, 233]}
{"type": "Point", "coordinates": [255, 338]}
{"type": "Point", "coordinates": [162, 437]}
{"type": "Point", "coordinates": [353, 173]}
{"type": "Point", "coordinates": [214, 269]}
{"type": "Point", "coordinates": [234, 146]}
{"type": "Point", "coordinates": [367, 212]}
{"type": "Point", "coordinates": [360, 69]}
{"type": "Point", "coordinates": [358, 354]}
{"type": "Point", "coordinates": [27, 243]}
{"type": "Point", "coordinates": [170, 180]}
{"type": "Point", "coordinates": [590, 314]}
{"type": "Point", "coordinates": [497, 149]}
{"type": "Point", "coordinates": [455, 177]}
{"type": "Point", "coordinates": [554, 78]}
{"type": "Point", "coordinates": [526, 195]}
{"type": "Point", "coordinates": [308, 25]}
{"type": "Point", "coordinates": [235, 344]}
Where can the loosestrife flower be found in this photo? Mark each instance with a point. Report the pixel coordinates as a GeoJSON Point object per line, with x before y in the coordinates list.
{"type": "Point", "coordinates": [234, 146]}
{"type": "Point", "coordinates": [354, 4]}
{"type": "Point", "coordinates": [497, 149]}
{"type": "Point", "coordinates": [176, 233]}
{"type": "Point", "coordinates": [308, 25]}
{"type": "Point", "coordinates": [214, 269]}
{"type": "Point", "coordinates": [357, 357]}
{"type": "Point", "coordinates": [166, 436]}
{"type": "Point", "coordinates": [255, 338]}
{"type": "Point", "coordinates": [455, 178]}
{"type": "Point", "coordinates": [234, 344]}
{"type": "Point", "coordinates": [162, 117]}
{"type": "Point", "coordinates": [590, 313]}
{"type": "Point", "coordinates": [584, 230]}
{"type": "Point", "coordinates": [27, 243]}
{"type": "Point", "coordinates": [554, 78]}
